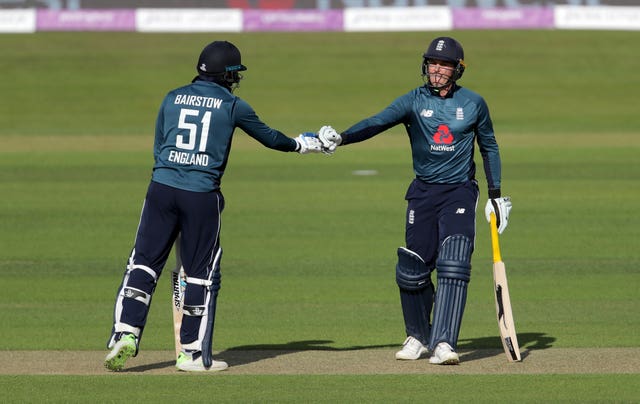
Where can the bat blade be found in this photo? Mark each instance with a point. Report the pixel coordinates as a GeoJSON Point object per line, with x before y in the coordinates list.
{"type": "Point", "coordinates": [504, 313]}
{"type": "Point", "coordinates": [177, 301]}
{"type": "Point", "coordinates": [177, 289]}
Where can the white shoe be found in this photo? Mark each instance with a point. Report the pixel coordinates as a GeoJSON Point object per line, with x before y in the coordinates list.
{"type": "Point", "coordinates": [412, 349]}
{"type": "Point", "coordinates": [187, 364]}
{"type": "Point", "coordinates": [444, 355]}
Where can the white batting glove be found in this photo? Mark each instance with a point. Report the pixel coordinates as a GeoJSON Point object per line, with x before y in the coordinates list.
{"type": "Point", "coordinates": [308, 143]}
{"type": "Point", "coordinates": [501, 208]}
{"type": "Point", "coordinates": [330, 139]}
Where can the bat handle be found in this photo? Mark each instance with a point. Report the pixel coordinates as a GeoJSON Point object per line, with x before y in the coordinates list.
{"type": "Point", "coordinates": [495, 245]}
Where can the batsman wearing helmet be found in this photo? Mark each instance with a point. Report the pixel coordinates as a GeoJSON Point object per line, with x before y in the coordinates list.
{"type": "Point", "coordinates": [193, 135]}
{"type": "Point", "coordinates": [443, 121]}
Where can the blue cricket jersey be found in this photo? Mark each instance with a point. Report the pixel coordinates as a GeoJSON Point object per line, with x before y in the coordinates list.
{"type": "Point", "coordinates": [194, 129]}
{"type": "Point", "coordinates": [442, 132]}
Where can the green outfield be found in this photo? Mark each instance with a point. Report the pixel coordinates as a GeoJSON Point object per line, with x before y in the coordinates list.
{"type": "Point", "coordinates": [309, 246]}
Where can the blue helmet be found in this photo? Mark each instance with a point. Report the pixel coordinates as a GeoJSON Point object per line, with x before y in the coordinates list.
{"type": "Point", "coordinates": [220, 57]}
{"type": "Point", "coordinates": [447, 49]}
{"type": "Point", "coordinates": [220, 62]}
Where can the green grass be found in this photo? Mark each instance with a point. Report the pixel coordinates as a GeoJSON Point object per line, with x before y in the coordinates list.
{"type": "Point", "coordinates": [326, 389]}
{"type": "Point", "coordinates": [543, 82]}
{"type": "Point", "coordinates": [77, 123]}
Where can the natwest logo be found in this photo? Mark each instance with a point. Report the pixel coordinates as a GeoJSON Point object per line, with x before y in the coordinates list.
{"type": "Point", "coordinates": [443, 135]}
{"type": "Point", "coordinates": [443, 139]}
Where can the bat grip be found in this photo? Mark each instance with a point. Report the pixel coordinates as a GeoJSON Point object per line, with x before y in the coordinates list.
{"type": "Point", "coordinates": [495, 245]}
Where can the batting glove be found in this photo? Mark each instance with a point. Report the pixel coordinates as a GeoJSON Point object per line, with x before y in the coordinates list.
{"type": "Point", "coordinates": [308, 142]}
{"type": "Point", "coordinates": [501, 208]}
{"type": "Point", "coordinates": [329, 138]}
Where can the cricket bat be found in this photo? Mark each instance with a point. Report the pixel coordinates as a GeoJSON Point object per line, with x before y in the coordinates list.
{"type": "Point", "coordinates": [503, 301]}
{"type": "Point", "coordinates": [177, 284]}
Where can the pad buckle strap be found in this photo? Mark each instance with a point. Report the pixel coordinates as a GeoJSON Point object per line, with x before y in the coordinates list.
{"type": "Point", "coordinates": [194, 311]}
{"type": "Point", "coordinates": [198, 281]}
{"type": "Point", "coordinates": [122, 327]}
{"type": "Point", "coordinates": [136, 294]}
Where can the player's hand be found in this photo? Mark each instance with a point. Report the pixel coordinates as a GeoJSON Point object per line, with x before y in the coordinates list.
{"type": "Point", "coordinates": [308, 142]}
{"type": "Point", "coordinates": [330, 139]}
{"type": "Point", "coordinates": [501, 208]}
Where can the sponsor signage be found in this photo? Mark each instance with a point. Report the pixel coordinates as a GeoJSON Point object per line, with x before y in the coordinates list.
{"type": "Point", "coordinates": [362, 19]}
{"type": "Point", "coordinates": [18, 21]}
{"type": "Point", "coordinates": [503, 18]}
{"type": "Point", "coordinates": [609, 18]}
{"type": "Point", "coordinates": [86, 20]}
{"type": "Point", "coordinates": [398, 19]}
{"type": "Point", "coordinates": [188, 20]}
{"type": "Point", "coordinates": [292, 20]}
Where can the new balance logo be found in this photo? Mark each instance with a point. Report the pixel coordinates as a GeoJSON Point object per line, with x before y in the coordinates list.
{"type": "Point", "coordinates": [460, 211]}
{"type": "Point", "coordinates": [426, 113]}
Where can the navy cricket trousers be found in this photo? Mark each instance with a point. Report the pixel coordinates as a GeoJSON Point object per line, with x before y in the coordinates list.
{"type": "Point", "coordinates": [167, 212]}
{"type": "Point", "coordinates": [436, 211]}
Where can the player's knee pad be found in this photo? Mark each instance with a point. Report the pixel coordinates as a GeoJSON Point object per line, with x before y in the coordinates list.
{"type": "Point", "coordinates": [454, 258]}
{"type": "Point", "coordinates": [199, 309]}
{"type": "Point", "coordinates": [454, 272]}
{"type": "Point", "coordinates": [411, 271]}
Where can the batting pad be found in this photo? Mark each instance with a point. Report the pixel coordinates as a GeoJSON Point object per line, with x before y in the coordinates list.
{"type": "Point", "coordinates": [454, 272]}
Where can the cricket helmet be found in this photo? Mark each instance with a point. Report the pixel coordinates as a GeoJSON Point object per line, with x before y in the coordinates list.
{"type": "Point", "coordinates": [220, 61]}
{"type": "Point", "coordinates": [447, 49]}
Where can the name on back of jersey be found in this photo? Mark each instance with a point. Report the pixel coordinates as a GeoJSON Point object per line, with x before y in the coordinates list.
{"type": "Point", "coordinates": [197, 101]}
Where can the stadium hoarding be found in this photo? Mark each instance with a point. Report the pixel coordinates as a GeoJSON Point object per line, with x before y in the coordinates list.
{"type": "Point", "coordinates": [188, 20]}
{"type": "Point", "coordinates": [503, 18]}
{"type": "Point", "coordinates": [300, 4]}
{"type": "Point", "coordinates": [350, 20]}
{"type": "Point", "coordinates": [292, 20]}
{"type": "Point", "coordinates": [86, 20]}
{"type": "Point", "coordinates": [19, 21]}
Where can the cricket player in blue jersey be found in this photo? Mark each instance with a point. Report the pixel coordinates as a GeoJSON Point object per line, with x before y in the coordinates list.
{"type": "Point", "coordinates": [192, 143]}
{"type": "Point", "coordinates": [443, 120]}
